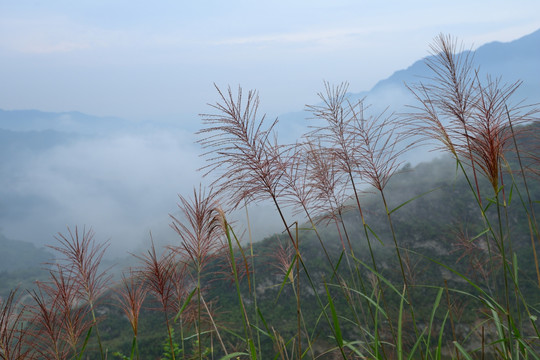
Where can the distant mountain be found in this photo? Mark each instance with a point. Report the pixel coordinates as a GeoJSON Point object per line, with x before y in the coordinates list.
{"type": "Point", "coordinates": [17, 141]}
{"type": "Point", "coordinates": [69, 122]}
{"type": "Point", "coordinates": [512, 61]}
{"type": "Point", "coordinates": [73, 122]}
{"type": "Point", "coordinates": [20, 255]}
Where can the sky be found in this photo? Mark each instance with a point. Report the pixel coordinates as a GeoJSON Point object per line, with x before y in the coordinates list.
{"type": "Point", "coordinates": [158, 60]}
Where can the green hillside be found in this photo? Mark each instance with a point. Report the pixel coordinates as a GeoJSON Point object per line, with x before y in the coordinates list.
{"type": "Point", "coordinates": [21, 264]}
{"type": "Point", "coordinates": [436, 231]}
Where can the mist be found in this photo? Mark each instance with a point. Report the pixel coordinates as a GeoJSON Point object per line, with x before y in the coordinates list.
{"type": "Point", "coordinates": [123, 185]}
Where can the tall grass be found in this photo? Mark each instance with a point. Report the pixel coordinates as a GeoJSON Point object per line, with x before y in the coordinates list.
{"type": "Point", "coordinates": [349, 281]}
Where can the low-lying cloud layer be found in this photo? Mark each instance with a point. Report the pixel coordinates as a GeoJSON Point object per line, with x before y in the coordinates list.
{"type": "Point", "coordinates": [123, 185]}
{"type": "Point", "coordinates": [120, 185]}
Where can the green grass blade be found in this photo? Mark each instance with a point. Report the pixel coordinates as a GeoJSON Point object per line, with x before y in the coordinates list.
{"type": "Point", "coordinates": [515, 266]}
{"type": "Point", "coordinates": [243, 256]}
{"type": "Point", "coordinates": [337, 328]}
{"type": "Point", "coordinates": [264, 322]}
{"type": "Point", "coordinates": [285, 278]}
{"type": "Point", "coordinates": [480, 234]}
{"type": "Point", "coordinates": [416, 345]}
{"type": "Point", "coordinates": [382, 278]}
{"type": "Point", "coordinates": [414, 198]}
{"type": "Point", "coordinates": [435, 307]}
{"type": "Point", "coordinates": [252, 350]}
{"type": "Point", "coordinates": [499, 327]}
{"type": "Point", "coordinates": [376, 326]}
{"type": "Point", "coordinates": [350, 345]}
{"type": "Point", "coordinates": [439, 342]}
{"type": "Point", "coordinates": [185, 304]}
{"type": "Point", "coordinates": [462, 351]}
{"type": "Point", "coordinates": [400, 328]}
{"type": "Point", "coordinates": [261, 331]}
{"type": "Point", "coordinates": [230, 356]}
{"type": "Point", "coordinates": [531, 352]}
{"type": "Point", "coordinates": [374, 234]}
{"type": "Point", "coordinates": [369, 299]}
{"type": "Point", "coordinates": [85, 343]}
{"type": "Point", "coordinates": [334, 271]}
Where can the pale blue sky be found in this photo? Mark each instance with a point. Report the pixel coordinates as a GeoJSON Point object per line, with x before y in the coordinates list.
{"type": "Point", "coordinates": [158, 60]}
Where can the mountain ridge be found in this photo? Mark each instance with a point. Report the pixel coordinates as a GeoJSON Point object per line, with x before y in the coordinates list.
{"type": "Point", "coordinates": [525, 48]}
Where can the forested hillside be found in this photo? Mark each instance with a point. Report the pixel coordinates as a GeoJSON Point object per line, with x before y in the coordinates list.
{"type": "Point", "coordinates": [438, 232]}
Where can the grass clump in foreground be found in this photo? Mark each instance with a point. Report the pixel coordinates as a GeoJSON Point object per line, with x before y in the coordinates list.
{"type": "Point", "coordinates": [448, 272]}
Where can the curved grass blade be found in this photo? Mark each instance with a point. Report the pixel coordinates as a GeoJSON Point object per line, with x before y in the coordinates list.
{"type": "Point", "coordinates": [462, 351]}
{"type": "Point", "coordinates": [416, 344]}
{"type": "Point", "coordinates": [414, 198]}
{"type": "Point", "coordinates": [435, 307]}
{"type": "Point", "coordinates": [382, 278]}
{"type": "Point", "coordinates": [400, 327]}
{"type": "Point", "coordinates": [337, 328]}
{"type": "Point", "coordinates": [369, 299]}
{"type": "Point", "coordinates": [85, 343]}
{"type": "Point", "coordinates": [439, 342]}
{"type": "Point", "coordinates": [230, 356]}
{"type": "Point", "coordinates": [185, 304]}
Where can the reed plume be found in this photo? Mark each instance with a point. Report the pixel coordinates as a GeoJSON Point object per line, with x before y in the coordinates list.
{"type": "Point", "coordinates": [283, 258]}
{"type": "Point", "coordinates": [328, 187]}
{"type": "Point", "coordinates": [201, 233]}
{"type": "Point", "coordinates": [447, 99]}
{"type": "Point", "coordinates": [199, 229]}
{"type": "Point", "coordinates": [360, 150]}
{"type": "Point", "coordinates": [14, 337]}
{"type": "Point", "coordinates": [158, 273]}
{"type": "Point", "coordinates": [80, 260]}
{"type": "Point", "coordinates": [296, 191]}
{"type": "Point", "coordinates": [70, 305]}
{"type": "Point", "coordinates": [244, 158]}
{"type": "Point", "coordinates": [378, 145]}
{"type": "Point", "coordinates": [46, 326]}
{"type": "Point", "coordinates": [469, 115]}
{"type": "Point", "coordinates": [238, 153]}
{"type": "Point", "coordinates": [489, 128]}
{"type": "Point", "coordinates": [131, 296]}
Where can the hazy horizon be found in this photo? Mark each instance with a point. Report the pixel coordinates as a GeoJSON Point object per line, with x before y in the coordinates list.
{"type": "Point", "coordinates": [159, 61]}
